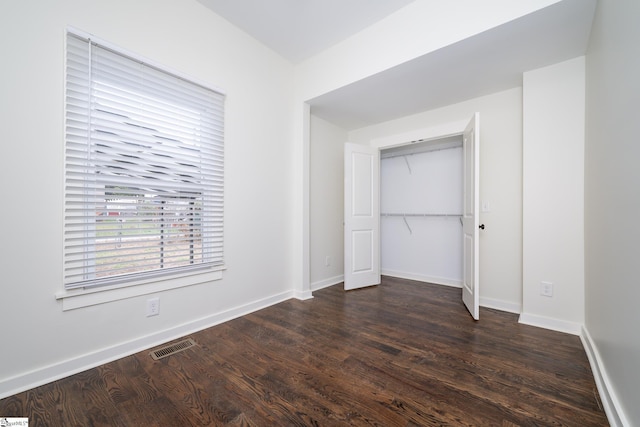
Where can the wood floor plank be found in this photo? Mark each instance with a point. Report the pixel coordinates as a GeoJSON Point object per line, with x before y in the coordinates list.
{"type": "Point", "coordinates": [403, 353]}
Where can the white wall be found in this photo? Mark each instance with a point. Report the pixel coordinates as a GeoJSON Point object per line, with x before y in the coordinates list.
{"type": "Point", "coordinates": [415, 30]}
{"type": "Point", "coordinates": [612, 201]}
{"type": "Point", "coordinates": [326, 203]}
{"type": "Point", "coordinates": [553, 195]}
{"type": "Point", "coordinates": [39, 340]}
{"type": "Point", "coordinates": [500, 182]}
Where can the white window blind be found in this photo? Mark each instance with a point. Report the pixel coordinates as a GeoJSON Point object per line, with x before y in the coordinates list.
{"type": "Point", "coordinates": [144, 170]}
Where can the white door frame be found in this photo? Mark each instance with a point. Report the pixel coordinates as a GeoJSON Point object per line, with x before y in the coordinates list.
{"type": "Point", "coordinates": [425, 134]}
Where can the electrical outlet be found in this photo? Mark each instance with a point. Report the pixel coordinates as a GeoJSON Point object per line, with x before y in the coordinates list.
{"type": "Point", "coordinates": [327, 261]}
{"type": "Point", "coordinates": [546, 289]}
{"type": "Point", "coordinates": [153, 306]}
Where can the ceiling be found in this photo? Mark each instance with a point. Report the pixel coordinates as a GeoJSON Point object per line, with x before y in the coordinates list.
{"type": "Point", "coordinates": [299, 29]}
{"type": "Point", "coordinates": [486, 63]}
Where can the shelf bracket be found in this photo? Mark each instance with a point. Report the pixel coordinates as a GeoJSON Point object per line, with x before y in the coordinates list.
{"type": "Point", "coordinates": [407, 224]}
{"type": "Point", "coordinates": [408, 165]}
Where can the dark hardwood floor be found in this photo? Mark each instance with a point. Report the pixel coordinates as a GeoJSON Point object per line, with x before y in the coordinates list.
{"type": "Point", "coordinates": [401, 354]}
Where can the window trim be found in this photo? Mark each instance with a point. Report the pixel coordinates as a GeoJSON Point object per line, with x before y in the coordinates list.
{"type": "Point", "coordinates": [145, 282]}
{"type": "Point", "coordinates": [84, 297]}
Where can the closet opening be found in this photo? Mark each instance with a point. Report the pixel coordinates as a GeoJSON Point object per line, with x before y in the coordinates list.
{"type": "Point", "coordinates": [429, 183]}
{"type": "Point", "coordinates": [421, 211]}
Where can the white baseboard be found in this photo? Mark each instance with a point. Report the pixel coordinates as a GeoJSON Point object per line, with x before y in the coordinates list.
{"type": "Point", "coordinates": [609, 400]}
{"type": "Point", "coordinates": [422, 278]}
{"type": "Point", "coordinates": [56, 371]}
{"type": "Point", "coordinates": [327, 282]}
{"type": "Point", "coordinates": [501, 305]}
{"type": "Point", "coordinates": [572, 328]}
{"type": "Point", "coordinates": [302, 295]}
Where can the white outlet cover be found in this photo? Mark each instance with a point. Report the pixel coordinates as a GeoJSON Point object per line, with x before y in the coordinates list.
{"type": "Point", "coordinates": [546, 289]}
{"type": "Point", "coordinates": [153, 307]}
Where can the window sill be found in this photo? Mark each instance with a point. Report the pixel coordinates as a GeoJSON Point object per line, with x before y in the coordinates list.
{"type": "Point", "coordinates": [78, 298]}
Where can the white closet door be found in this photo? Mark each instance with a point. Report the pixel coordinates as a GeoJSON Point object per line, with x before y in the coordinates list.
{"type": "Point", "coordinates": [470, 275]}
{"type": "Point", "coordinates": [361, 216]}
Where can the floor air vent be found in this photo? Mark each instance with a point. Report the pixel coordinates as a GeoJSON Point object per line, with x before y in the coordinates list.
{"type": "Point", "coordinates": [168, 350]}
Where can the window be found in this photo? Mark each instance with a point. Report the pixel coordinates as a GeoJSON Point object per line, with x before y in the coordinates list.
{"type": "Point", "coordinates": [144, 169]}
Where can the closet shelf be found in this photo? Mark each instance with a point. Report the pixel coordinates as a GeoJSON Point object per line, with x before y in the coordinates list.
{"type": "Point", "coordinates": [405, 215]}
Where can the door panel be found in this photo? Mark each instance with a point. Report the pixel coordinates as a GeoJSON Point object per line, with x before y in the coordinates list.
{"type": "Point", "coordinates": [362, 216]}
{"type": "Point", "coordinates": [362, 191]}
{"type": "Point", "coordinates": [362, 251]}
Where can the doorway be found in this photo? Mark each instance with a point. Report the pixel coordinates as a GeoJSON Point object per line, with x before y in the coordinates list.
{"type": "Point", "coordinates": [421, 197]}
{"type": "Point", "coordinates": [362, 214]}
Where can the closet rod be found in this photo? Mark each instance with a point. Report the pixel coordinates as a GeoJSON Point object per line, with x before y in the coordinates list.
{"type": "Point", "coordinates": [420, 214]}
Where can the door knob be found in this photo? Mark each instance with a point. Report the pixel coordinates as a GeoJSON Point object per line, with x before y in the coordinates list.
{"type": "Point", "coordinates": [481, 226]}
